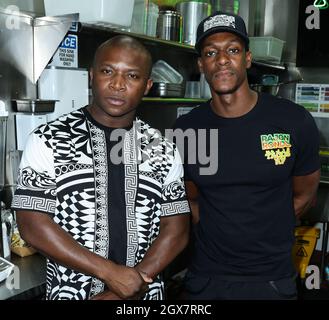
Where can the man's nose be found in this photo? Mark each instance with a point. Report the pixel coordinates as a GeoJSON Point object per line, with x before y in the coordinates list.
{"type": "Point", "coordinates": [222, 57]}
{"type": "Point", "coordinates": [118, 83]}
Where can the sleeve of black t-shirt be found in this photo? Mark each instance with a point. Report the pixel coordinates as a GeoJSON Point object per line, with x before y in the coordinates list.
{"type": "Point", "coordinates": [308, 159]}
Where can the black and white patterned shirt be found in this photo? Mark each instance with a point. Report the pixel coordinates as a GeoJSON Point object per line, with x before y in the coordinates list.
{"type": "Point", "coordinates": [64, 173]}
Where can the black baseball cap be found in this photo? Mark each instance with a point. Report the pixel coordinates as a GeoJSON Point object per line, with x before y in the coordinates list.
{"type": "Point", "coordinates": [221, 22]}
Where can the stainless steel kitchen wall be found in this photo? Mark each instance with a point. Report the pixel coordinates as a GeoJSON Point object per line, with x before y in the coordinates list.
{"type": "Point", "coordinates": [13, 85]}
{"type": "Point", "coordinates": [317, 76]}
{"type": "Point", "coordinates": [278, 18]}
{"type": "Point", "coordinates": [245, 8]}
{"type": "Point", "coordinates": [27, 44]}
{"type": "Point", "coordinates": [36, 6]}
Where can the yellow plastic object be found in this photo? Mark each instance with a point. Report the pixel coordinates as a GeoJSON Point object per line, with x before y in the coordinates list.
{"type": "Point", "coordinates": [166, 3]}
{"type": "Point", "coordinates": [303, 248]}
{"type": "Point", "coordinates": [324, 152]}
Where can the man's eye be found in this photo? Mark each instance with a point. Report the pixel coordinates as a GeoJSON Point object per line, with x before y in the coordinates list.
{"type": "Point", "coordinates": [133, 75]}
{"type": "Point", "coordinates": [233, 50]}
{"type": "Point", "coordinates": [210, 53]}
{"type": "Point", "coordinates": [106, 71]}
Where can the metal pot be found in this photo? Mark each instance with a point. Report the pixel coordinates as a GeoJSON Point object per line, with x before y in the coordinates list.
{"type": "Point", "coordinates": [271, 89]}
{"type": "Point", "coordinates": [169, 25]}
{"type": "Point", "coordinates": [193, 13]}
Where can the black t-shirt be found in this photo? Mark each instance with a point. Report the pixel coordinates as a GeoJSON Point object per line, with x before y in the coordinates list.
{"type": "Point", "coordinates": [116, 198]}
{"type": "Point", "coordinates": [246, 207]}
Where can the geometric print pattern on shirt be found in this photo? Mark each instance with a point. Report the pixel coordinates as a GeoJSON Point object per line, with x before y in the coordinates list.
{"type": "Point", "coordinates": [65, 164]}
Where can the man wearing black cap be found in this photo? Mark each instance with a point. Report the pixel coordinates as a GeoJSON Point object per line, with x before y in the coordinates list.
{"type": "Point", "coordinates": [268, 173]}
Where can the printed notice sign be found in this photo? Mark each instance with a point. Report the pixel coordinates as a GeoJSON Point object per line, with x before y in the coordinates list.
{"type": "Point", "coordinates": [67, 54]}
{"type": "Point", "coordinates": [314, 97]}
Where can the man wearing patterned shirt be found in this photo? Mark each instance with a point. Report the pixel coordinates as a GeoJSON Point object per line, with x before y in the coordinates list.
{"type": "Point", "coordinates": [100, 193]}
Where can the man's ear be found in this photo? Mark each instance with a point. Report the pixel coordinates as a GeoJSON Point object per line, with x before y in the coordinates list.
{"type": "Point", "coordinates": [149, 85]}
{"type": "Point", "coordinates": [200, 65]}
{"type": "Point", "coordinates": [91, 75]}
{"type": "Point", "coordinates": [248, 59]}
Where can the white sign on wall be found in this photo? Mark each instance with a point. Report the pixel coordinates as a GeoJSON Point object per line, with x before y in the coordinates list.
{"type": "Point", "coordinates": [67, 54]}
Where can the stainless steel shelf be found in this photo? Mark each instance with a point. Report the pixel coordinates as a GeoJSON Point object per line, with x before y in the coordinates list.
{"type": "Point", "coordinates": [143, 38]}
{"type": "Point", "coordinates": [157, 41]}
{"type": "Point", "coordinates": [320, 114]}
{"type": "Point", "coordinates": [173, 100]}
{"type": "Point", "coordinates": [268, 65]}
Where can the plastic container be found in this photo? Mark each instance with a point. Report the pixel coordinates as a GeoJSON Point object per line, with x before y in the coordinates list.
{"type": "Point", "coordinates": [231, 6]}
{"type": "Point", "coordinates": [205, 91]}
{"type": "Point", "coordinates": [163, 72]}
{"type": "Point", "coordinates": [113, 12]}
{"type": "Point", "coordinates": [192, 89]}
{"type": "Point", "coordinates": [145, 17]}
{"type": "Point", "coordinates": [152, 19]}
{"type": "Point", "coordinates": [266, 48]}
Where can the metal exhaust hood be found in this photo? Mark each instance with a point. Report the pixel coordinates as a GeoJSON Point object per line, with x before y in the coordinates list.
{"type": "Point", "coordinates": [28, 42]}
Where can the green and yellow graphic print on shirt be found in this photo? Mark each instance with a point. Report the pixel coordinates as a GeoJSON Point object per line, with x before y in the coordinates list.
{"type": "Point", "coordinates": [277, 147]}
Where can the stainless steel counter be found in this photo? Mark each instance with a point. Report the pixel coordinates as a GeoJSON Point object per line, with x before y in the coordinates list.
{"type": "Point", "coordinates": [32, 278]}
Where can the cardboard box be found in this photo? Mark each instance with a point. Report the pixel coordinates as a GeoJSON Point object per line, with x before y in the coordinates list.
{"type": "Point", "coordinates": [23, 251]}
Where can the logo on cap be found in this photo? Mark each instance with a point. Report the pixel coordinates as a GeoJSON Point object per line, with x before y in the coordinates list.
{"type": "Point", "coordinates": [221, 20]}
